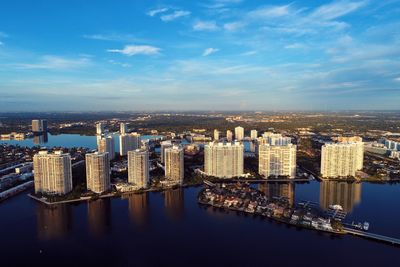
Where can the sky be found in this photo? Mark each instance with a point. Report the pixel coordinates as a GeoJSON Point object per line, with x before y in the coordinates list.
{"type": "Point", "coordinates": [141, 55]}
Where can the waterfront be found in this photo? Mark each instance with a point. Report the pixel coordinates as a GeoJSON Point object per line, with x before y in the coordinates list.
{"type": "Point", "coordinates": [173, 229]}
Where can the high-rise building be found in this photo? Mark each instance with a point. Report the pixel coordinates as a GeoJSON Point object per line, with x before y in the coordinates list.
{"type": "Point", "coordinates": [106, 144]}
{"type": "Point", "coordinates": [98, 172]}
{"type": "Point", "coordinates": [52, 172]}
{"type": "Point", "coordinates": [174, 163]}
{"type": "Point", "coordinates": [253, 134]}
{"type": "Point", "coordinates": [123, 129]}
{"type": "Point", "coordinates": [274, 139]}
{"type": "Point", "coordinates": [164, 145]}
{"type": "Point", "coordinates": [99, 128]}
{"type": "Point", "coordinates": [138, 168]}
{"type": "Point", "coordinates": [223, 160]}
{"type": "Point", "coordinates": [128, 142]}
{"type": "Point", "coordinates": [339, 160]}
{"type": "Point", "coordinates": [216, 135]}
{"type": "Point", "coordinates": [229, 136]}
{"type": "Point", "coordinates": [39, 126]}
{"type": "Point", "coordinates": [239, 133]}
{"type": "Point", "coordinates": [277, 160]}
{"type": "Point", "coordinates": [359, 147]}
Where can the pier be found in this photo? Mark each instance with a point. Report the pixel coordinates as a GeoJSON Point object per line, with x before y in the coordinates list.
{"type": "Point", "coordinates": [376, 237]}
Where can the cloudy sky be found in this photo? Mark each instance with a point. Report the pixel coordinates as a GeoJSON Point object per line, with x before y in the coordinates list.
{"type": "Point", "coordinates": [199, 55]}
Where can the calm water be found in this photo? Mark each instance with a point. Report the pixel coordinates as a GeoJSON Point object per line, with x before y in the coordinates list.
{"type": "Point", "coordinates": [67, 140]}
{"type": "Point", "coordinates": [171, 229]}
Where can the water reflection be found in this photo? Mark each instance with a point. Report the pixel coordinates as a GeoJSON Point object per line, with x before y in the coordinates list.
{"type": "Point", "coordinates": [273, 190]}
{"type": "Point", "coordinates": [40, 139]}
{"type": "Point", "coordinates": [174, 205]}
{"type": "Point", "coordinates": [53, 222]}
{"type": "Point", "coordinates": [138, 205]}
{"type": "Point", "coordinates": [342, 193]}
{"type": "Point", "coordinates": [99, 216]}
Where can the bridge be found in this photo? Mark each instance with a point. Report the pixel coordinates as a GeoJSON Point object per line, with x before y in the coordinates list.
{"type": "Point", "coordinates": [382, 238]}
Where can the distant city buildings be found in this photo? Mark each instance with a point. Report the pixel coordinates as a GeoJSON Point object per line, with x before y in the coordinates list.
{"type": "Point", "coordinates": [229, 136]}
{"type": "Point", "coordinates": [277, 160]}
{"type": "Point", "coordinates": [174, 164]}
{"type": "Point", "coordinates": [164, 145]}
{"type": "Point", "coordinates": [274, 139]}
{"type": "Point", "coordinates": [224, 160]}
{"type": "Point", "coordinates": [123, 129]}
{"type": "Point", "coordinates": [98, 172]}
{"type": "Point", "coordinates": [239, 133]}
{"type": "Point", "coordinates": [39, 126]}
{"type": "Point", "coordinates": [99, 128]}
{"type": "Point", "coordinates": [106, 144]}
{"type": "Point", "coordinates": [138, 168]}
{"type": "Point", "coordinates": [52, 172]}
{"type": "Point", "coordinates": [253, 134]}
{"type": "Point", "coordinates": [339, 160]}
{"type": "Point", "coordinates": [128, 142]}
{"type": "Point", "coordinates": [216, 135]}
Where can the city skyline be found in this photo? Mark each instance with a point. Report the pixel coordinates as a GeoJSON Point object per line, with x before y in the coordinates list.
{"type": "Point", "coordinates": [226, 54]}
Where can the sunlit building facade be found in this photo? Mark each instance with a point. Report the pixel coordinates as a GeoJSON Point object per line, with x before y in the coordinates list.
{"type": "Point", "coordinates": [98, 172]}
{"type": "Point", "coordinates": [224, 160]}
{"type": "Point", "coordinates": [138, 168]}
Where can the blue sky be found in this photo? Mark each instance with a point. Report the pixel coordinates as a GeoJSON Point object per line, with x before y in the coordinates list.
{"type": "Point", "coordinates": [199, 55]}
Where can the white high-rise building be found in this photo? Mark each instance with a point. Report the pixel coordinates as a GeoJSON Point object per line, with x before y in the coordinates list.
{"type": "Point", "coordinates": [253, 134]}
{"type": "Point", "coordinates": [357, 140]}
{"type": "Point", "coordinates": [229, 136]}
{"type": "Point", "coordinates": [123, 129]}
{"type": "Point", "coordinates": [98, 172]}
{"type": "Point", "coordinates": [164, 145]}
{"type": "Point", "coordinates": [239, 133]}
{"type": "Point", "coordinates": [224, 160]}
{"type": "Point", "coordinates": [339, 160]}
{"type": "Point", "coordinates": [39, 126]}
{"type": "Point", "coordinates": [99, 128]}
{"type": "Point", "coordinates": [128, 142]}
{"type": "Point", "coordinates": [277, 160]}
{"type": "Point", "coordinates": [174, 164]}
{"type": "Point", "coordinates": [216, 135]}
{"type": "Point", "coordinates": [52, 172]}
{"type": "Point", "coordinates": [274, 139]}
{"type": "Point", "coordinates": [138, 168]}
{"type": "Point", "coordinates": [106, 144]}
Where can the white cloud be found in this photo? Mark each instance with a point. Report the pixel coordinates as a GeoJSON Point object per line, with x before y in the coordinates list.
{"type": "Point", "coordinates": [270, 12]}
{"type": "Point", "coordinates": [294, 46]}
{"type": "Point", "coordinates": [56, 63]}
{"type": "Point", "coordinates": [336, 9]}
{"type": "Point", "coordinates": [249, 53]}
{"type": "Point", "coordinates": [205, 26]}
{"type": "Point", "coordinates": [114, 37]}
{"type": "Point", "coordinates": [397, 79]}
{"type": "Point", "coordinates": [210, 51]}
{"type": "Point", "coordinates": [131, 50]}
{"type": "Point", "coordinates": [154, 12]}
{"type": "Point", "coordinates": [176, 14]}
{"type": "Point", "coordinates": [234, 26]}
{"type": "Point", "coordinates": [1, 43]}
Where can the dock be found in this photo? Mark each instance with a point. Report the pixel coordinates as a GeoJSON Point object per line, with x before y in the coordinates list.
{"type": "Point", "coordinates": [376, 237]}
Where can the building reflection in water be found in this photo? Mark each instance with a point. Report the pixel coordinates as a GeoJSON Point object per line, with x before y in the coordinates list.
{"type": "Point", "coordinates": [174, 205]}
{"type": "Point", "coordinates": [138, 208]}
{"type": "Point", "coordinates": [40, 139]}
{"type": "Point", "coordinates": [53, 222]}
{"type": "Point", "coordinates": [276, 189]}
{"type": "Point", "coordinates": [99, 216]}
{"type": "Point", "coordinates": [342, 193]}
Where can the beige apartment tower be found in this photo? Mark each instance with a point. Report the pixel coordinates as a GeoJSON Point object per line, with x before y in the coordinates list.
{"type": "Point", "coordinates": [138, 168]}
{"type": "Point", "coordinates": [239, 133]}
{"type": "Point", "coordinates": [52, 172]}
{"type": "Point", "coordinates": [224, 160]}
{"type": "Point", "coordinates": [277, 160]}
{"type": "Point", "coordinates": [98, 172]}
{"type": "Point", "coordinates": [106, 144]}
{"type": "Point", "coordinates": [128, 142]}
{"type": "Point", "coordinates": [216, 135]}
{"type": "Point", "coordinates": [253, 134]}
{"type": "Point", "coordinates": [229, 136]}
{"type": "Point", "coordinates": [174, 164]}
{"type": "Point", "coordinates": [339, 160]}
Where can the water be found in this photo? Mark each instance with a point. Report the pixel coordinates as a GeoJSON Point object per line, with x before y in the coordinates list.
{"type": "Point", "coordinates": [68, 141]}
{"type": "Point", "coordinates": [171, 229]}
